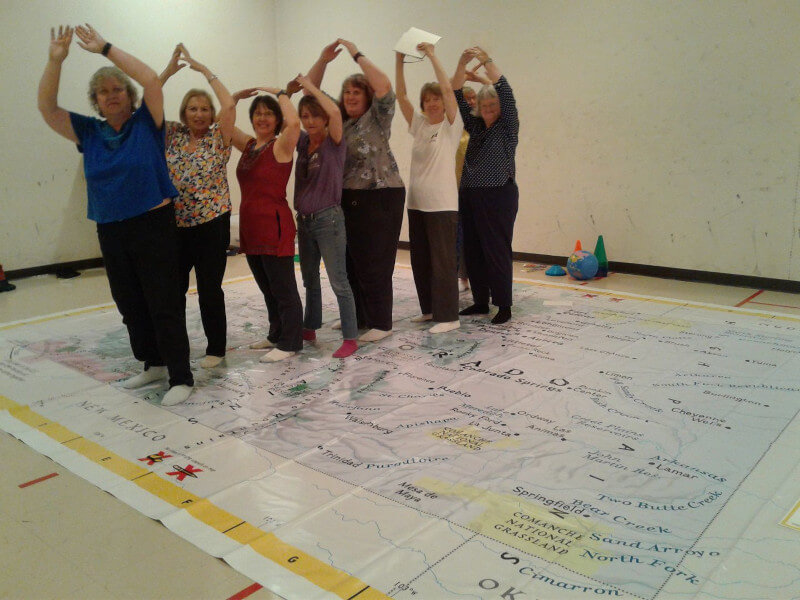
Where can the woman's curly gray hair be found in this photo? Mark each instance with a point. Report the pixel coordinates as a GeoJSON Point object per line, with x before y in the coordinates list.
{"type": "Point", "coordinates": [485, 93]}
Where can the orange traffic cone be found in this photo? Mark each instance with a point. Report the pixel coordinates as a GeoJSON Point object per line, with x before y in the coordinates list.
{"type": "Point", "coordinates": [577, 246]}
{"type": "Point", "coordinates": [4, 285]}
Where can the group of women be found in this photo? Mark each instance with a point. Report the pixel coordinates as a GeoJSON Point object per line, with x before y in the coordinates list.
{"type": "Point", "coordinates": [159, 194]}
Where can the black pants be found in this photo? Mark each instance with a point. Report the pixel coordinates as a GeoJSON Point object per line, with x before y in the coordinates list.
{"type": "Point", "coordinates": [488, 218]}
{"type": "Point", "coordinates": [204, 247]}
{"type": "Point", "coordinates": [275, 278]}
{"type": "Point", "coordinates": [432, 237]}
{"type": "Point", "coordinates": [141, 260]}
{"type": "Point", "coordinates": [373, 219]}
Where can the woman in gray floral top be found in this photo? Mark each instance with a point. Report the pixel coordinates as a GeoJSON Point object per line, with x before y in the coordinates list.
{"type": "Point", "coordinates": [374, 195]}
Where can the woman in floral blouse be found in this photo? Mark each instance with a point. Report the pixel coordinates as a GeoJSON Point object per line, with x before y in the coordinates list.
{"type": "Point", "coordinates": [198, 150]}
{"type": "Point", "coordinates": [374, 195]}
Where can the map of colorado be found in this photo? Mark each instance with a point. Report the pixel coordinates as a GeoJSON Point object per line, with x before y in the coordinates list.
{"type": "Point", "coordinates": [599, 444]}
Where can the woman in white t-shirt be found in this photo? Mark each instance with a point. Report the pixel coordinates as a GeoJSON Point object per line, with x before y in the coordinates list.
{"type": "Point", "coordinates": [433, 194]}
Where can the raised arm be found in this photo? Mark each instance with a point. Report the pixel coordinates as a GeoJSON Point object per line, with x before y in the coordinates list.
{"type": "Point", "coordinates": [400, 84]}
{"type": "Point", "coordinates": [379, 81]}
{"type": "Point", "coordinates": [56, 117]}
{"type": "Point", "coordinates": [335, 129]}
{"type": "Point", "coordinates": [290, 131]}
{"type": "Point", "coordinates": [173, 66]}
{"type": "Point", "coordinates": [492, 70]}
{"type": "Point", "coordinates": [460, 76]}
{"type": "Point", "coordinates": [227, 107]}
{"type": "Point", "coordinates": [92, 41]}
{"type": "Point", "coordinates": [317, 70]}
{"type": "Point", "coordinates": [240, 138]}
{"type": "Point", "coordinates": [448, 98]}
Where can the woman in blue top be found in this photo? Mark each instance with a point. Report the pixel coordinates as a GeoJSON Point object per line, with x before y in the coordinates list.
{"type": "Point", "coordinates": [488, 197]}
{"type": "Point", "coordinates": [130, 198]}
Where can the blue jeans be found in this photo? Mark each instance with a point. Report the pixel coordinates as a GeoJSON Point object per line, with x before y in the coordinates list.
{"type": "Point", "coordinates": [322, 235]}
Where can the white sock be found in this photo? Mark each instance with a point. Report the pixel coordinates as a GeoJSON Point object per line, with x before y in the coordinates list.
{"type": "Point", "coordinates": [445, 326]}
{"type": "Point", "coordinates": [176, 395]}
{"type": "Point", "coordinates": [422, 318]}
{"type": "Point", "coordinates": [149, 376]}
{"type": "Point", "coordinates": [374, 335]}
{"type": "Point", "coordinates": [275, 355]}
{"type": "Point", "coordinates": [210, 361]}
{"type": "Point", "coordinates": [260, 345]}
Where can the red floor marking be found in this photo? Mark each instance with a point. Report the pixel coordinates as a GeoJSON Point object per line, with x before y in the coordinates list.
{"type": "Point", "coordinates": [779, 305]}
{"type": "Point", "coordinates": [45, 478]}
{"type": "Point", "coordinates": [246, 592]}
{"type": "Point", "coordinates": [746, 300]}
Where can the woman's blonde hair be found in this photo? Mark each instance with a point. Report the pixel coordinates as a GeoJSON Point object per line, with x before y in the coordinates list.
{"type": "Point", "coordinates": [107, 73]}
{"type": "Point", "coordinates": [194, 93]}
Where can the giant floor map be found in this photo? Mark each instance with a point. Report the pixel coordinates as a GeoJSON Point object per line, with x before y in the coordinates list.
{"type": "Point", "coordinates": [599, 444]}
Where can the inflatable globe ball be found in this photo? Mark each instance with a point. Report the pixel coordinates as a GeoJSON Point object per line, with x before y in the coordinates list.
{"type": "Point", "coordinates": [582, 265]}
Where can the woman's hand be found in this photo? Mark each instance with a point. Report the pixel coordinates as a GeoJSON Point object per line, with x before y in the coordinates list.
{"type": "Point", "coordinates": [173, 66]}
{"type": "Point", "coordinates": [59, 43]}
{"type": "Point", "coordinates": [245, 93]}
{"type": "Point", "coordinates": [475, 77]}
{"type": "Point", "coordinates": [293, 87]}
{"type": "Point", "coordinates": [304, 82]}
{"type": "Point", "coordinates": [330, 52]}
{"type": "Point", "coordinates": [351, 47]}
{"type": "Point", "coordinates": [89, 39]}
{"type": "Point", "coordinates": [188, 60]}
{"type": "Point", "coordinates": [426, 48]}
{"type": "Point", "coordinates": [481, 55]}
{"type": "Point", "coordinates": [467, 56]}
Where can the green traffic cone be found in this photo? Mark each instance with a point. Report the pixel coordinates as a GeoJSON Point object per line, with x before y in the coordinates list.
{"type": "Point", "coordinates": [602, 260]}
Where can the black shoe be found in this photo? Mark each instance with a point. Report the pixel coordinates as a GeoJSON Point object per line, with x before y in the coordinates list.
{"type": "Point", "coordinates": [503, 315]}
{"type": "Point", "coordinates": [475, 309]}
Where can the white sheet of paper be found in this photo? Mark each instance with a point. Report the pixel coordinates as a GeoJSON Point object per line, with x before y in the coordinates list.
{"type": "Point", "coordinates": [407, 44]}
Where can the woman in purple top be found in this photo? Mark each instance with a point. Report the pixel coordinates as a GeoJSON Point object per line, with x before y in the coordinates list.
{"type": "Point", "coordinates": [130, 198]}
{"type": "Point", "coordinates": [320, 221]}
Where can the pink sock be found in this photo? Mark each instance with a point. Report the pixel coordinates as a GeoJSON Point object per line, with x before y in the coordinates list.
{"type": "Point", "coordinates": [346, 349]}
{"type": "Point", "coordinates": [309, 335]}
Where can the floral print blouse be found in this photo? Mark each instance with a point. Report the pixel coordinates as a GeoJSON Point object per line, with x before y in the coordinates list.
{"type": "Point", "coordinates": [201, 177]}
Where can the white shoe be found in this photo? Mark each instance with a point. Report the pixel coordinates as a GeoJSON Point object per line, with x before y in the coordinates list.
{"type": "Point", "coordinates": [261, 345]}
{"type": "Point", "coordinates": [210, 361]}
{"type": "Point", "coordinates": [445, 326]}
{"type": "Point", "coordinates": [149, 376]}
{"type": "Point", "coordinates": [275, 355]}
{"type": "Point", "coordinates": [336, 325]}
{"type": "Point", "coordinates": [176, 395]}
{"type": "Point", "coordinates": [422, 318]}
{"type": "Point", "coordinates": [374, 335]}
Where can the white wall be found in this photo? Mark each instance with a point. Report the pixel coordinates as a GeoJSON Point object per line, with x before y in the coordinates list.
{"type": "Point", "coordinates": [43, 218]}
{"type": "Point", "coordinates": [669, 127]}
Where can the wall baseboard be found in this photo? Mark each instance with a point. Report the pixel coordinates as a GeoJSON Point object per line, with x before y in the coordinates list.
{"type": "Point", "coordinates": [748, 281]}
{"type": "Point", "coordinates": [75, 265]}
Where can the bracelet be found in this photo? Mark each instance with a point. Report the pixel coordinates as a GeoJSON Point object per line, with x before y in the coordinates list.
{"type": "Point", "coordinates": [357, 55]}
{"type": "Point", "coordinates": [105, 49]}
{"type": "Point", "coordinates": [212, 78]}
{"type": "Point", "coordinates": [282, 93]}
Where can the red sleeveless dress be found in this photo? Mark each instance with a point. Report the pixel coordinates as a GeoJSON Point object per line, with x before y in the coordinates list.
{"type": "Point", "coordinates": [266, 223]}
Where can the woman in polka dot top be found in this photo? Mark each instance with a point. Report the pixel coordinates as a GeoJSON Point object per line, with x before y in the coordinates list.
{"type": "Point", "coordinates": [488, 196]}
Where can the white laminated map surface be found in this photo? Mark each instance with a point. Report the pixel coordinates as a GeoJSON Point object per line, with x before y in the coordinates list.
{"type": "Point", "coordinates": [599, 444]}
